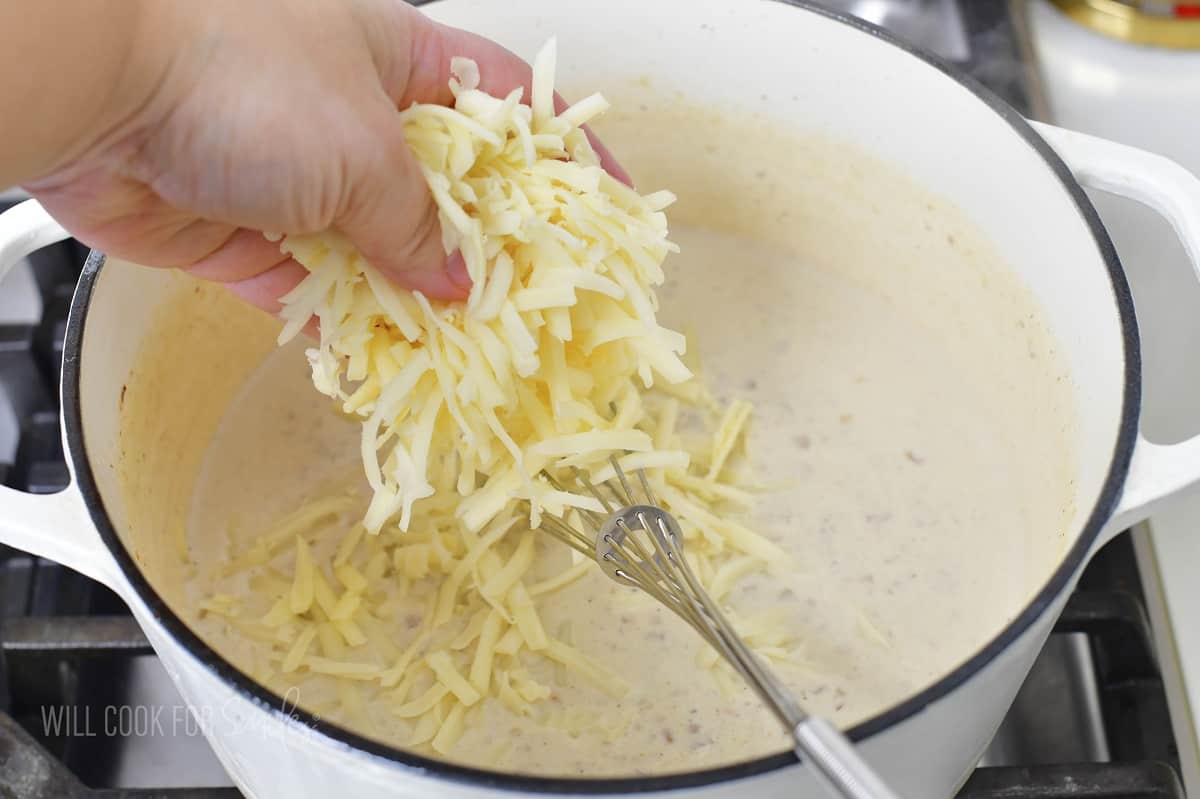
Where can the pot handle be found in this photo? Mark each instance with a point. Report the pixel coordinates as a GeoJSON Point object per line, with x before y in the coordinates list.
{"type": "Point", "coordinates": [1157, 470]}
{"type": "Point", "coordinates": [26, 228]}
{"type": "Point", "coordinates": [54, 526]}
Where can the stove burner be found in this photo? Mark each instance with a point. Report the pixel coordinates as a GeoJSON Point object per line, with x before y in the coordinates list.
{"type": "Point", "coordinates": [1075, 781]}
{"type": "Point", "coordinates": [27, 771]}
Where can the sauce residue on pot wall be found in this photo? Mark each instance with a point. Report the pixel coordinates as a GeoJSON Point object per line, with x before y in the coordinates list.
{"type": "Point", "coordinates": [910, 409]}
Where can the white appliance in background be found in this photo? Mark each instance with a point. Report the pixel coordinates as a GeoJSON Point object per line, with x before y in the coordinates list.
{"type": "Point", "coordinates": [1149, 97]}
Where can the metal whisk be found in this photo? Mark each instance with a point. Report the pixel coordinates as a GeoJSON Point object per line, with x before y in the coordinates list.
{"type": "Point", "coordinates": [639, 544]}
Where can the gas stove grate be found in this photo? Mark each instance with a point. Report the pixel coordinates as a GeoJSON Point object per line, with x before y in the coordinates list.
{"type": "Point", "coordinates": [1147, 780]}
{"type": "Point", "coordinates": [28, 771]}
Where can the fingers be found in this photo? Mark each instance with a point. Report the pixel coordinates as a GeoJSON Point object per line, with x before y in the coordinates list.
{"type": "Point", "coordinates": [244, 254]}
{"type": "Point", "coordinates": [390, 215]}
{"type": "Point", "coordinates": [263, 290]}
{"type": "Point", "coordinates": [500, 71]}
{"type": "Point", "coordinates": [127, 219]}
{"type": "Point", "coordinates": [427, 79]}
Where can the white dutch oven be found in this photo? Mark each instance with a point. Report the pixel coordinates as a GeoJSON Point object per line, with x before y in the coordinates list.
{"type": "Point", "coordinates": [1020, 183]}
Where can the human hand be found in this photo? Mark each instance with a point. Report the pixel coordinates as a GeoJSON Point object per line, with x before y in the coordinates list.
{"type": "Point", "coordinates": [271, 116]}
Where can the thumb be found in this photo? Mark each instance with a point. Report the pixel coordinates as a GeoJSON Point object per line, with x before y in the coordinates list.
{"type": "Point", "coordinates": [390, 215]}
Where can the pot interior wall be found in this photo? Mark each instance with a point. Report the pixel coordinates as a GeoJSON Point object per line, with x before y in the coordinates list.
{"type": "Point", "coordinates": [162, 357]}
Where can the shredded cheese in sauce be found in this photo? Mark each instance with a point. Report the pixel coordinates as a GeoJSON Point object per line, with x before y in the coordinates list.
{"type": "Point", "coordinates": [560, 322]}
{"type": "Point", "coordinates": [549, 365]}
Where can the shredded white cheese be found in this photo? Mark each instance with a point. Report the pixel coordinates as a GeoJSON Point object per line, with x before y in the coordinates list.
{"type": "Point", "coordinates": [560, 320]}
{"type": "Point", "coordinates": [548, 365]}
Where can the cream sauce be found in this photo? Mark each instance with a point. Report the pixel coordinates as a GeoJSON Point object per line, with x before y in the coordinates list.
{"type": "Point", "coordinates": [921, 485]}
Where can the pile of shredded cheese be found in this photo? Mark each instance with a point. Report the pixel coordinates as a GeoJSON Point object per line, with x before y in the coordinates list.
{"type": "Point", "coordinates": [428, 607]}
{"type": "Point", "coordinates": [560, 323]}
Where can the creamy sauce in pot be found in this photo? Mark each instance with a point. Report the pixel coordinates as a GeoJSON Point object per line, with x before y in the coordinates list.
{"type": "Point", "coordinates": [909, 409]}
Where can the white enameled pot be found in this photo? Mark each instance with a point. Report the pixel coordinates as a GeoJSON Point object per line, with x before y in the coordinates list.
{"type": "Point", "coordinates": [1019, 182]}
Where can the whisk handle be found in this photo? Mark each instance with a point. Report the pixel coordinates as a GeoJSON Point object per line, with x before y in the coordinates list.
{"type": "Point", "coordinates": [838, 763]}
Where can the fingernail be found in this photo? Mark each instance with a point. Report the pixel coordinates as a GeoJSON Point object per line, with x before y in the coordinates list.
{"type": "Point", "coordinates": [435, 285]}
{"type": "Point", "coordinates": [450, 283]}
{"type": "Point", "coordinates": [456, 269]}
